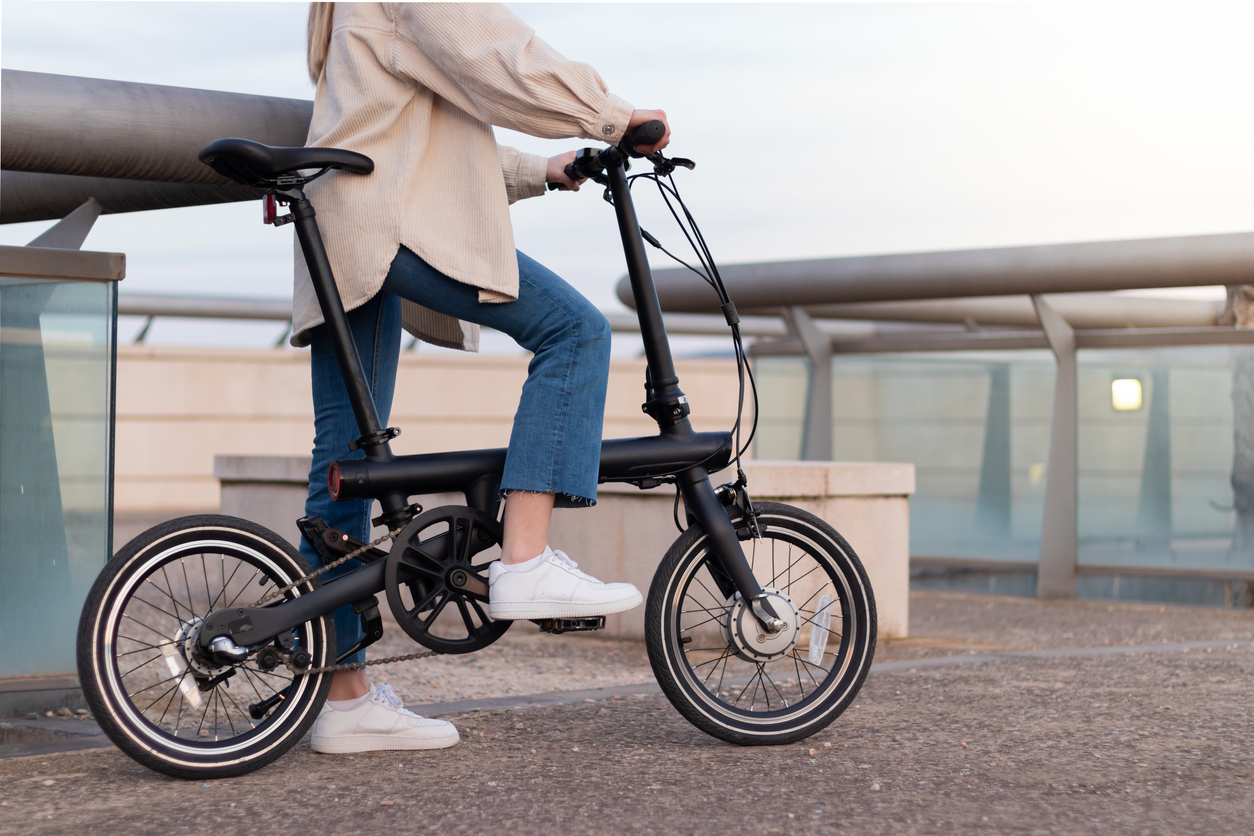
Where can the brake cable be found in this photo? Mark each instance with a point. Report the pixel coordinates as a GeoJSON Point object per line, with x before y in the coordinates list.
{"type": "Point", "coordinates": [662, 177]}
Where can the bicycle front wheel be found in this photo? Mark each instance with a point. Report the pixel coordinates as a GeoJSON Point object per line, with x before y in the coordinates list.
{"type": "Point", "coordinates": [731, 679]}
{"type": "Point", "coordinates": [153, 695]}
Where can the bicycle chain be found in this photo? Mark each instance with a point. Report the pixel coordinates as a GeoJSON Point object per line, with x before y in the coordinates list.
{"type": "Point", "coordinates": [278, 593]}
{"type": "Point", "coordinates": [347, 666]}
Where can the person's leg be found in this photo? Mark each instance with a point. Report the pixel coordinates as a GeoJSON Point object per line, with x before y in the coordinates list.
{"type": "Point", "coordinates": [376, 329]}
{"type": "Point", "coordinates": [555, 446]}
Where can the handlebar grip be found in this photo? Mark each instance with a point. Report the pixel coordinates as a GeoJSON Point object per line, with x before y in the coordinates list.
{"type": "Point", "coordinates": [647, 134]}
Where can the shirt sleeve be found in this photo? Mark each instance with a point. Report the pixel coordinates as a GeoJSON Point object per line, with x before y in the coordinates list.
{"type": "Point", "coordinates": [525, 174]}
{"type": "Point", "coordinates": [487, 62]}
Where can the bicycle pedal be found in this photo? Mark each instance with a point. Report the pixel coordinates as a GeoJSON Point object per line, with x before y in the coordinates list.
{"type": "Point", "coordinates": [557, 626]}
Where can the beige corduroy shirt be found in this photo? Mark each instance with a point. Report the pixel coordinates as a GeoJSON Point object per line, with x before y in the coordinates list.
{"type": "Point", "coordinates": [417, 88]}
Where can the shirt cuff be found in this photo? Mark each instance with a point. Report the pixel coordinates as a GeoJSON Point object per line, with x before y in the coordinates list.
{"type": "Point", "coordinates": [533, 173]}
{"type": "Point", "coordinates": [612, 121]}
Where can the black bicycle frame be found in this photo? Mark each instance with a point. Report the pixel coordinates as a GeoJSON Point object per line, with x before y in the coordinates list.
{"type": "Point", "coordinates": [677, 451]}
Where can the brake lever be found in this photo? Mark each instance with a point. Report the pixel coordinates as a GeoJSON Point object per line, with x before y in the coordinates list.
{"type": "Point", "coordinates": [664, 166]}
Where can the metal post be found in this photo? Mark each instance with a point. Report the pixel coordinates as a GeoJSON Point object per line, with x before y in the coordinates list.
{"type": "Point", "coordinates": [1056, 575]}
{"type": "Point", "coordinates": [992, 504]}
{"type": "Point", "coordinates": [816, 443]}
{"type": "Point", "coordinates": [1153, 513]}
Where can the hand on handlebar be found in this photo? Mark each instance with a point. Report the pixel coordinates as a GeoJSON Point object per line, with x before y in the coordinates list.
{"type": "Point", "coordinates": [639, 118]}
{"type": "Point", "coordinates": [556, 176]}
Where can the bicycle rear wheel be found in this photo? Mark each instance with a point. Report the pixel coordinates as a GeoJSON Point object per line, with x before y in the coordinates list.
{"type": "Point", "coordinates": [722, 672]}
{"type": "Point", "coordinates": [152, 695]}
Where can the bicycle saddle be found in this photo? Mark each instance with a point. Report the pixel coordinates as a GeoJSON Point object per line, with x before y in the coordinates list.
{"type": "Point", "coordinates": [254, 164]}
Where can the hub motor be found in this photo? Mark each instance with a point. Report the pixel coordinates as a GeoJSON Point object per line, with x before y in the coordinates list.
{"type": "Point", "coordinates": [743, 632]}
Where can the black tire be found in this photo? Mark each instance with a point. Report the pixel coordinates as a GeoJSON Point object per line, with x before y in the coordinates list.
{"type": "Point", "coordinates": [709, 677]}
{"type": "Point", "coordinates": [133, 630]}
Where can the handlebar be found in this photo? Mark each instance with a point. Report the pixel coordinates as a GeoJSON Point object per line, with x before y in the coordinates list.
{"type": "Point", "coordinates": [585, 165]}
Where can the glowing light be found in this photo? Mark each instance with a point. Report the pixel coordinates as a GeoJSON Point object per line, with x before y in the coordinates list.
{"type": "Point", "coordinates": [1125, 394]}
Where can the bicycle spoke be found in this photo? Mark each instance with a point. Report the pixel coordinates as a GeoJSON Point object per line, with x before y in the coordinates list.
{"type": "Point", "coordinates": [723, 674]}
{"type": "Point", "coordinates": [726, 653]}
{"type": "Point", "coordinates": [713, 661]}
{"type": "Point", "coordinates": [817, 684]}
{"type": "Point", "coordinates": [828, 629]}
{"type": "Point", "coordinates": [179, 677]}
{"type": "Point", "coordinates": [718, 617]}
{"type": "Point", "coordinates": [252, 681]}
{"type": "Point", "coordinates": [142, 624]}
{"type": "Point", "coordinates": [137, 667]}
{"type": "Point", "coordinates": [158, 699]}
{"type": "Point", "coordinates": [787, 570]}
{"type": "Point", "coordinates": [169, 591]}
{"type": "Point", "coordinates": [226, 582]}
{"type": "Point", "coordinates": [707, 591]}
{"type": "Point", "coordinates": [158, 609]}
{"type": "Point", "coordinates": [243, 589]}
{"type": "Point", "coordinates": [227, 694]}
{"type": "Point", "coordinates": [187, 585]}
{"type": "Point", "coordinates": [146, 646]}
{"type": "Point", "coordinates": [767, 677]}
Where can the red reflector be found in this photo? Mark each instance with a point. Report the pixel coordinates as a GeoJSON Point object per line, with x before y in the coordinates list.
{"type": "Point", "coordinates": [269, 209]}
{"type": "Point", "coordinates": [334, 480]}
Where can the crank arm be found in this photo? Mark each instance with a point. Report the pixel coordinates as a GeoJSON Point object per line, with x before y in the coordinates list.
{"type": "Point", "coordinates": [703, 503]}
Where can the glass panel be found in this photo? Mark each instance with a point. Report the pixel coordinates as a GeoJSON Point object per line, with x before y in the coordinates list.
{"type": "Point", "coordinates": [975, 425]}
{"type": "Point", "coordinates": [1157, 473]}
{"type": "Point", "coordinates": [56, 404]}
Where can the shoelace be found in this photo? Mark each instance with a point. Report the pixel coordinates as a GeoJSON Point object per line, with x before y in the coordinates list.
{"type": "Point", "coordinates": [385, 693]}
{"type": "Point", "coordinates": [572, 565]}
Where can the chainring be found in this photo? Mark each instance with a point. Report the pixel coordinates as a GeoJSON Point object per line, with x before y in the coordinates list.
{"type": "Point", "coordinates": [437, 580]}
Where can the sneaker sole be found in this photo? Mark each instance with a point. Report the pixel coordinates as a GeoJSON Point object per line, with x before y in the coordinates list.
{"type": "Point", "coordinates": [378, 743]}
{"type": "Point", "coordinates": [542, 609]}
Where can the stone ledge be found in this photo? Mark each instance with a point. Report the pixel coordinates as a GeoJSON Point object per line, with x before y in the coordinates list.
{"type": "Point", "coordinates": [248, 468]}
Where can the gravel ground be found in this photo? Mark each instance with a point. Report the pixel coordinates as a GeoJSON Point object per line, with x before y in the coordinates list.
{"type": "Point", "coordinates": [523, 661]}
{"type": "Point", "coordinates": [526, 661]}
{"type": "Point", "coordinates": [1144, 740]}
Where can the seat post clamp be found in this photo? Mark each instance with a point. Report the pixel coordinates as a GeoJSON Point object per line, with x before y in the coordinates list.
{"type": "Point", "coordinates": [374, 439]}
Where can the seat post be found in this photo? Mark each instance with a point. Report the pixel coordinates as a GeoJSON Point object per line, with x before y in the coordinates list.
{"type": "Point", "coordinates": [374, 442]}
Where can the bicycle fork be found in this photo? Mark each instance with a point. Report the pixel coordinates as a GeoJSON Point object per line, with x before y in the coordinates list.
{"type": "Point", "coordinates": [735, 575]}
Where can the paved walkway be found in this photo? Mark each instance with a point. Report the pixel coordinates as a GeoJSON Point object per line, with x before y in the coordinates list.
{"type": "Point", "coordinates": [997, 716]}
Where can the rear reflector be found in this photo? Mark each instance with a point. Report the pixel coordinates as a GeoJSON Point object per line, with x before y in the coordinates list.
{"type": "Point", "coordinates": [334, 480]}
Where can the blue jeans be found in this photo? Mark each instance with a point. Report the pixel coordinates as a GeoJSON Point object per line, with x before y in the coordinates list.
{"type": "Point", "coordinates": [555, 445]}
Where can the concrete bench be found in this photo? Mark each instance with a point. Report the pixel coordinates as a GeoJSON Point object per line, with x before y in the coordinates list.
{"type": "Point", "coordinates": [626, 535]}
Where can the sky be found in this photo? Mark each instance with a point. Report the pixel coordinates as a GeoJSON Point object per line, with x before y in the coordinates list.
{"type": "Point", "coordinates": [818, 129]}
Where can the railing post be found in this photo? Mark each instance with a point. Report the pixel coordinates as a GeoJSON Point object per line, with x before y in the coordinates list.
{"type": "Point", "coordinates": [816, 443]}
{"type": "Point", "coordinates": [1056, 575]}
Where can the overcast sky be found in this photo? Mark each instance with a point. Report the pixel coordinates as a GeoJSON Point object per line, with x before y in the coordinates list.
{"type": "Point", "coordinates": [818, 129]}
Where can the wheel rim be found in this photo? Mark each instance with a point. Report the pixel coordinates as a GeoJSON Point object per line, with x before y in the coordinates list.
{"type": "Point", "coordinates": [725, 684]}
{"type": "Point", "coordinates": [153, 681]}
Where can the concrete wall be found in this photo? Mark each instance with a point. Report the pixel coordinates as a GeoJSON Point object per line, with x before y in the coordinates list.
{"type": "Point", "coordinates": [177, 408]}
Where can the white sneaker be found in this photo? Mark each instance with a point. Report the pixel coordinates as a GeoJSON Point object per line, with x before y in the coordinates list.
{"type": "Point", "coordinates": [379, 723]}
{"type": "Point", "coordinates": [554, 589]}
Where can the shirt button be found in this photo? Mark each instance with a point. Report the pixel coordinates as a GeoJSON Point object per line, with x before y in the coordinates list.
{"type": "Point", "coordinates": [607, 130]}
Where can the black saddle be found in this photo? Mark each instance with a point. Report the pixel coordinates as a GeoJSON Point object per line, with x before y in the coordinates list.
{"type": "Point", "coordinates": [262, 166]}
